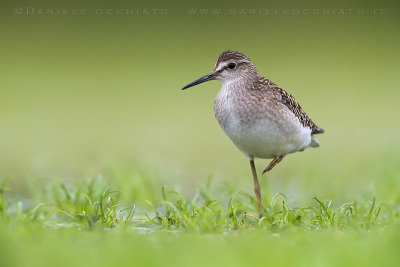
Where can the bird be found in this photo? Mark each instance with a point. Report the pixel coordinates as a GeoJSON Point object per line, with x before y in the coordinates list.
{"type": "Point", "coordinates": [261, 119]}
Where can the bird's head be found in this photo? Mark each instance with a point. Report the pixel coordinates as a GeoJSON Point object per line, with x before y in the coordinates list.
{"type": "Point", "coordinates": [230, 67]}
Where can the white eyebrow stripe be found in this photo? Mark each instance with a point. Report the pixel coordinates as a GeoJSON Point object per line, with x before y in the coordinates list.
{"type": "Point", "coordinates": [221, 66]}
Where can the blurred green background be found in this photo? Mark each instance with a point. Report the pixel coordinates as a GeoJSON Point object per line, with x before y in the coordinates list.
{"type": "Point", "coordinates": [82, 95]}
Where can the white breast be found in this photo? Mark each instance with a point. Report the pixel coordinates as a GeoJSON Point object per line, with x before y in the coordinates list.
{"type": "Point", "coordinates": [265, 136]}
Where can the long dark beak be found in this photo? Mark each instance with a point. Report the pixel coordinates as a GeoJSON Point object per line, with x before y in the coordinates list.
{"type": "Point", "coordinates": [203, 79]}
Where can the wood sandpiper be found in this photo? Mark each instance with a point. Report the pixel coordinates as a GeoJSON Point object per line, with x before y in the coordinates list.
{"type": "Point", "coordinates": [262, 120]}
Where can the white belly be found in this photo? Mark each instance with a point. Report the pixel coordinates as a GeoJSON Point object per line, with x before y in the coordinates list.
{"type": "Point", "coordinates": [266, 138]}
{"type": "Point", "coordinates": [266, 132]}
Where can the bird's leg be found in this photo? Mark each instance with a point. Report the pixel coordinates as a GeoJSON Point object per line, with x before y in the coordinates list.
{"type": "Point", "coordinates": [272, 164]}
{"type": "Point", "coordinates": [256, 187]}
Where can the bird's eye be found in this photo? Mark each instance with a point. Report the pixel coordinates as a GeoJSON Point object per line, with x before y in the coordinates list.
{"type": "Point", "coordinates": [232, 65]}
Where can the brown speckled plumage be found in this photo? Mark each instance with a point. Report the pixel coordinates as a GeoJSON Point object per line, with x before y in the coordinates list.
{"type": "Point", "coordinates": [261, 90]}
{"type": "Point", "coordinates": [289, 101]}
{"type": "Point", "coordinates": [231, 55]}
{"type": "Point", "coordinates": [261, 119]}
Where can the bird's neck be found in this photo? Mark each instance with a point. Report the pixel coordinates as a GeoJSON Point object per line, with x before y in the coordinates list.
{"type": "Point", "coordinates": [242, 82]}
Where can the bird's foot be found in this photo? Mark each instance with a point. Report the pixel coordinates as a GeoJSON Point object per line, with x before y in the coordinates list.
{"type": "Point", "coordinates": [272, 164]}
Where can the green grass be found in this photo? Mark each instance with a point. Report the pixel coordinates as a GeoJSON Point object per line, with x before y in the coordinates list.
{"type": "Point", "coordinates": [88, 206]}
{"type": "Point", "coordinates": [98, 94]}
{"type": "Point", "coordinates": [93, 223]}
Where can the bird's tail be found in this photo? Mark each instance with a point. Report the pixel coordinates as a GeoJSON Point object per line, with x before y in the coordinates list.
{"type": "Point", "coordinates": [317, 131]}
{"type": "Point", "coordinates": [314, 142]}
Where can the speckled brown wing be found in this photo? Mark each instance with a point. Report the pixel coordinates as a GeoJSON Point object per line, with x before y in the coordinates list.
{"type": "Point", "coordinates": [290, 102]}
